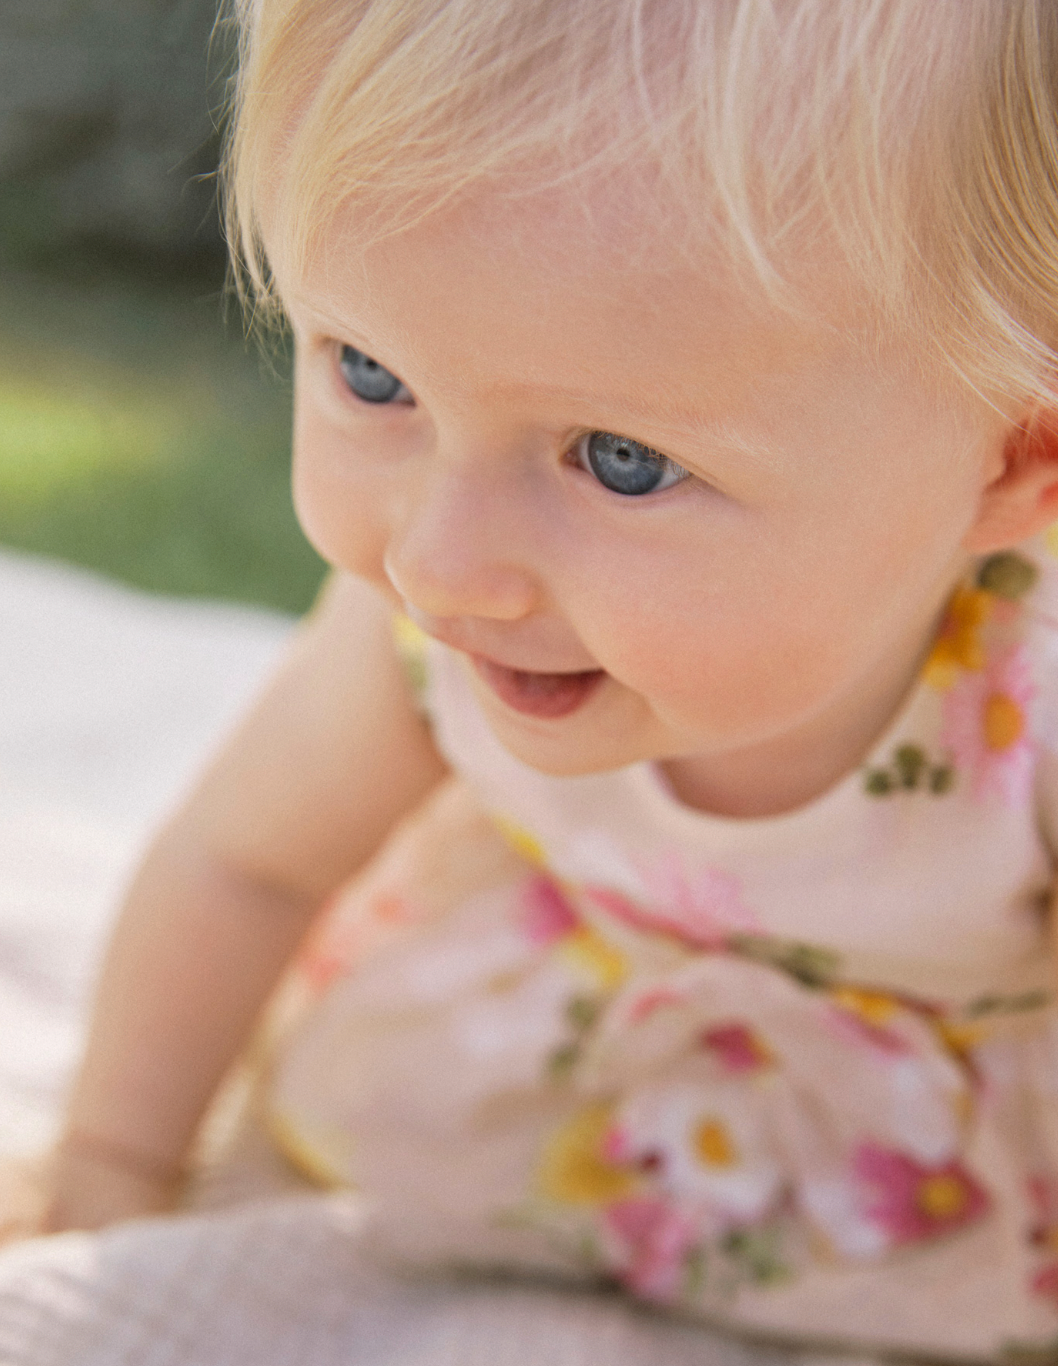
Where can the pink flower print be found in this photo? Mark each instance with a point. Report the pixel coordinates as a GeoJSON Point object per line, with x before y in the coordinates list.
{"type": "Point", "coordinates": [911, 1202]}
{"type": "Point", "coordinates": [619, 1148]}
{"type": "Point", "coordinates": [616, 1146]}
{"type": "Point", "coordinates": [1043, 1194]}
{"type": "Point", "coordinates": [863, 1018]}
{"type": "Point", "coordinates": [546, 914]}
{"type": "Point", "coordinates": [1045, 1283]}
{"type": "Point", "coordinates": [737, 1048]}
{"type": "Point", "coordinates": [341, 942]}
{"type": "Point", "coordinates": [330, 948]}
{"type": "Point", "coordinates": [653, 1240]}
{"type": "Point", "coordinates": [704, 909]}
{"type": "Point", "coordinates": [986, 726]}
{"type": "Point", "coordinates": [652, 1001]}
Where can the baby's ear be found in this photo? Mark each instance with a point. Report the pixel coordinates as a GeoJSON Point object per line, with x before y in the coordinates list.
{"type": "Point", "coordinates": [1023, 498]}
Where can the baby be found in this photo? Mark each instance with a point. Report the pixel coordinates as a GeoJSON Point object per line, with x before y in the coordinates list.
{"type": "Point", "coordinates": [674, 401]}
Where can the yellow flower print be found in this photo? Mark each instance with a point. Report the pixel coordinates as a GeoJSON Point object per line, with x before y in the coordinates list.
{"type": "Point", "coordinates": [960, 1036]}
{"type": "Point", "coordinates": [1003, 721]}
{"type": "Point", "coordinates": [411, 642]}
{"type": "Point", "coordinates": [866, 1017]}
{"type": "Point", "coordinates": [958, 644]}
{"type": "Point", "coordinates": [873, 1007]}
{"type": "Point", "coordinates": [521, 841]}
{"type": "Point", "coordinates": [409, 637]}
{"type": "Point", "coordinates": [587, 950]}
{"type": "Point", "coordinates": [713, 1145]}
{"type": "Point", "coordinates": [323, 1154]}
{"type": "Point", "coordinates": [942, 1197]}
{"type": "Point", "coordinates": [574, 1168]}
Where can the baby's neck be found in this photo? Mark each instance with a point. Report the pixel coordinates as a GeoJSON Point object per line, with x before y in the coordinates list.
{"type": "Point", "coordinates": [767, 780]}
{"type": "Point", "coordinates": [790, 770]}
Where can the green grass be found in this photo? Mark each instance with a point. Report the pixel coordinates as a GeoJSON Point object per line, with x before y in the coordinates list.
{"type": "Point", "coordinates": [142, 438]}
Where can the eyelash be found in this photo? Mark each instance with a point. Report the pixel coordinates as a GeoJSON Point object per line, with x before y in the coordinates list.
{"type": "Point", "coordinates": [633, 458]}
{"type": "Point", "coordinates": [372, 376]}
{"type": "Point", "coordinates": [617, 458]}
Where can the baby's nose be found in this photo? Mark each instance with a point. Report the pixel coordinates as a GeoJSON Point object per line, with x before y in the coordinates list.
{"type": "Point", "coordinates": [454, 552]}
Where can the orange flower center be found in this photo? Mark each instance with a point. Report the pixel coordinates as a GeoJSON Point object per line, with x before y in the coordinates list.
{"type": "Point", "coordinates": [958, 646]}
{"type": "Point", "coordinates": [1004, 721]}
{"type": "Point", "coordinates": [942, 1197]}
{"type": "Point", "coordinates": [872, 1006]}
{"type": "Point", "coordinates": [714, 1145]}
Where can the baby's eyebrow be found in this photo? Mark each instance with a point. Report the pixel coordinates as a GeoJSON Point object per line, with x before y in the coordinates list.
{"type": "Point", "coordinates": [729, 438]}
{"type": "Point", "coordinates": [708, 433]}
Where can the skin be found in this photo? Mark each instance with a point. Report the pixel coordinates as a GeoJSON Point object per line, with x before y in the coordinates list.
{"type": "Point", "coordinates": [758, 622]}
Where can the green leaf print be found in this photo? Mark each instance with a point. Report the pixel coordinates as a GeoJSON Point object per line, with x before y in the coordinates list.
{"type": "Point", "coordinates": [909, 762]}
{"type": "Point", "coordinates": [562, 1061]}
{"type": "Point", "coordinates": [1008, 1005]}
{"type": "Point", "coordinates": [583, 1011]}
{"type": "Point", "coordinates": [1007, 575]}
{"type": "Point", "coordinates": [807, 963]}
{"type": "Point", "coordinates": [695, 1273]}
{"type": "Point", "coordinates": [910, 770]}
{"type": "Point", "coordinates": [758, 1253]}
{"type": "Point", "coordinates": [1029, 1354]}
{"type": "Point", "coordinates": [878, 783]}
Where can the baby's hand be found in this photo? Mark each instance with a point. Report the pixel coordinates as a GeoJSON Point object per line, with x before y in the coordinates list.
{"type": "Point", "coordinates": [81, 1185]}
{"type": "Point", "coordinates": [23, 1198]}
{"type": "Point", "coordinates": [93, 1182]}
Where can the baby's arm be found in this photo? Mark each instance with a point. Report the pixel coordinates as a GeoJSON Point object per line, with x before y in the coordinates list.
{"type": "Point", "coordinates": [305, 791]}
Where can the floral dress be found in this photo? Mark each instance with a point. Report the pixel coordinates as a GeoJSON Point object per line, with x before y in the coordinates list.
{"type": "Point", "coordinates": [796, 1074]}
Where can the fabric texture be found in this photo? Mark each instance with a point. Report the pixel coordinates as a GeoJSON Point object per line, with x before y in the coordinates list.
{"type": "Point", "coordinates": [795, 1074]}
{"type": "Point", "coordinates": [286, 1283]}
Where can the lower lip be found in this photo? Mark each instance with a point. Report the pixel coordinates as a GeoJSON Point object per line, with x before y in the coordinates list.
{"type": "Point", "coordinates": [535, 694]}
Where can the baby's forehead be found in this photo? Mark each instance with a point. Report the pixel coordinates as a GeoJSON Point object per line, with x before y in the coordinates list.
{"type": "Point", "coordinates": [608, 247]}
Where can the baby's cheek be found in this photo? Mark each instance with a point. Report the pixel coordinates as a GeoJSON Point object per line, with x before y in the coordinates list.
{"type": "Point", "coordinates": [339, 519]}
{"type": "Point", "coordinates": [734, 674]}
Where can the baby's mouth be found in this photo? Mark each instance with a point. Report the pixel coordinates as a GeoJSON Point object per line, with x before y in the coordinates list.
{"type": "Point", "coordinates": [549, 695]}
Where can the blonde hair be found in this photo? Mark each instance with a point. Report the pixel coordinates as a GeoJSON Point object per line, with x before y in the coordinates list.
{"type": "Point", "coordinates": [918, 138]}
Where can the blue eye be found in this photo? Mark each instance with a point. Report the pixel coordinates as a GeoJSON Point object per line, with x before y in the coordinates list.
{"type": "Point", "coordinates": [367, 379]}
{"type": "Point", "coordinates": [629, 467]}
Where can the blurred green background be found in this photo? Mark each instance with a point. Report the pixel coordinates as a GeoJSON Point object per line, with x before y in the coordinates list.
{"type": "Point", "coordinates": [141, 434]}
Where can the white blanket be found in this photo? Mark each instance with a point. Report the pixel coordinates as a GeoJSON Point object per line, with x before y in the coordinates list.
{"type": "Point", "coordinates": [109, 701]}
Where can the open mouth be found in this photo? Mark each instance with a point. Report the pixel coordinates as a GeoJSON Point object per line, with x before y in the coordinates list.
{"type": "Point", "coordinates": [538, 694]}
